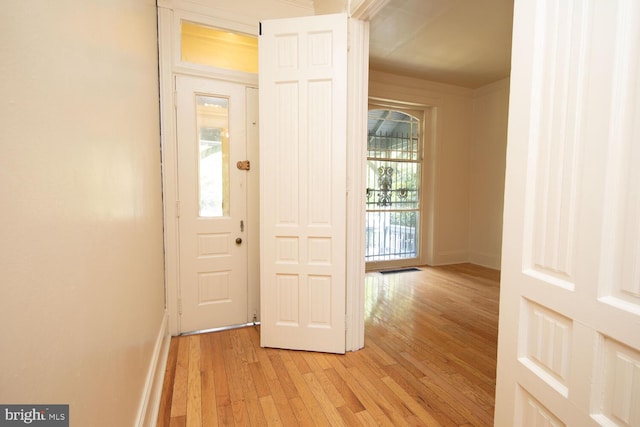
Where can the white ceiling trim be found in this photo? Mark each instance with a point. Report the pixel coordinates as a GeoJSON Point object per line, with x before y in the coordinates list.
{"type": "Point", "coordinates": [366, 9]}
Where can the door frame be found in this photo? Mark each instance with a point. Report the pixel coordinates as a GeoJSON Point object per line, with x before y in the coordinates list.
{"type": "Point", "coordinates": [170, 15]}
{"type": "Point", "coordinates": [170, 65]}
{"type": "Point", "coordinates": [422, 112]}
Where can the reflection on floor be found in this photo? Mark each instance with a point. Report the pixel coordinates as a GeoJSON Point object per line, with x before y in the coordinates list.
{"type": "Point", "coordinates": [429, 359]}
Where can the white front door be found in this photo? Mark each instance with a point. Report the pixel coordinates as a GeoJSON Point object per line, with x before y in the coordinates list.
{"type": "Point", "coordinates": [303, 146]}
{"type": "Point", "coordinates": [569, 338]}
{"type": "Point", "coordinates": [212, 192]}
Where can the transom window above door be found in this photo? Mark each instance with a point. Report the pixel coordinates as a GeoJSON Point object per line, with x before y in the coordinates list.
{"type": "Point", "coordinates": [394, 152]}
{"type": "Point", "coordinates": [200, 44]}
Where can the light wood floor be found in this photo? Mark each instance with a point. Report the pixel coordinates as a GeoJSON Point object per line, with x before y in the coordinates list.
{"type": "Point", "coordinates": [429, 359]}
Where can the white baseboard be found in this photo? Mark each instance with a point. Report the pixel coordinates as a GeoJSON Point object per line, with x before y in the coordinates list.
{"type": "Point", "coordinates": [485, 260]}
{"type": "Point", "coordinates": [152, 393]}
{"type": "Point", "coordinates": [446, 258]}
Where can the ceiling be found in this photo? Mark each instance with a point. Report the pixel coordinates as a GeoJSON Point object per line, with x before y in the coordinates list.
{"type": "Point", "coordinates": [461, 42]}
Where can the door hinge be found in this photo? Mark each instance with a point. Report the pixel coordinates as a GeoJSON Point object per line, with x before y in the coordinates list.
{"type": "Point", "coordinates": [179, 305]}
{"type": "Point", "coordinates": [177, 208]}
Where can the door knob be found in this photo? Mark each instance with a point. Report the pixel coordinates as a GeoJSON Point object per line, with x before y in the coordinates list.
{"type": "Point", "coordinates": [238, 241]}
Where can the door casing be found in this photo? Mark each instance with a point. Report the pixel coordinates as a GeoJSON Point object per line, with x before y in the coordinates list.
{"type": "Point", "coordinates": [170, 65]}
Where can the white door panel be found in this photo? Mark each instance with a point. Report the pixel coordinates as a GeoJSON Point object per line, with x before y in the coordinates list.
{"type": "Point", "coordinates": [569, 340]}
{"type": "Point", "coordinates": [303, 99]}
{"type": "Point", "coordinates": [211, 138]}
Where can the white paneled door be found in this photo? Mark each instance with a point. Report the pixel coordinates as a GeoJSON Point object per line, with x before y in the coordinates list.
{"type": "Point", "coordinates": [569, 339]}
{"type": "Point", "coordinates": [212, 191]}
{"type": "Point", "coordinates": [303, 107]}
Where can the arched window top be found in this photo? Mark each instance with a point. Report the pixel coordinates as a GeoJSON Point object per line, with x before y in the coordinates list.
{"type": "Point", "coordinates": [393, 134]}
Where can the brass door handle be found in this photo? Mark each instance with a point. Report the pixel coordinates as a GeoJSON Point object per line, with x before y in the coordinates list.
{"type": "Point", "coordinates": [238, 241]}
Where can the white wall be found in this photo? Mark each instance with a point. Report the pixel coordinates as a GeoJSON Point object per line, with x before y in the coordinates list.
{"type": "Point", "coordinates": [487, 166]}
{"type": "Point", "coordinates": [81, 285]}
{"type": "Point", "coordinates": [452, 134]}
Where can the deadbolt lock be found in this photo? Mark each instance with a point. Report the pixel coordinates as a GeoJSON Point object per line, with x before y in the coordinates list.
{"type": "Point", "coordinates": [244, 165]}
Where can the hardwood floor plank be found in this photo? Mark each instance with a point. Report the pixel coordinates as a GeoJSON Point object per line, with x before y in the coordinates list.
{"type": "Point", "coordinates": [324, 401]}
{"type": "Point", "coordinates": [262, 355]}
{"type": "Point", "coordinates": [245, 341]}
{"type": "Point", "coordinates": [458, 384]}
{"type": "Point", "coordinates": [270, 411]}
{"type": "Point", "coordinates": [303, 417]}
{"type": "Point", "coordinates": [351, 400]}
{"type": "Point", "coordinates": [328, 388]}
{"type": "Point", "coordinates": [209, 403]}
{"type": "Point", "coordinates": [367, 401]}
{"type": "Point", "coordinates": [464, 407]}
{"type": "Point", "coordinates": [240, 413]}
{"type": "Point", "coordinates": [225, 415]}
{"type": "Point", "coordinates": [437, 406]}
{"type": "Point", "coordinates": [366, 419]}
{"type": "Point", "coordinates": [283, 376]}
{"type": "Point", "coordinates": [180, 421]}
{"type": "Point", "coordinates": [282, 404]}
{"type": "Point", "coordinates": [394, 410]}
{"type": "Point", "coordinates": [305, 394]}
{"type": "Point", "coordinates": [382, 357]}
{"type": "Point", "coordinates": [256, 415]}
{"type": "Point", "coordinates": [220, 381]}
{"type": "Point", "coordinates": [349, 417]}
{"type": "Point", "coordinates": [194, 398]}
{"type": "Point", "coordinates": [298, 358]}
{"type": "Point", "coordinates": [411, 403]}
{"type": "Point", "coordinates": [179, 400]}
{"type": "Point", "coordinates": [164, 414]}
{"type": "Point", "coordinates": [259, 380]}
{"type": "Point", "coordinates": [429, 359]}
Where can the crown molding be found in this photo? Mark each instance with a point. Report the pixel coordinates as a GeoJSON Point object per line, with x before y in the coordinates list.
{"type": "Point", "coordinates": [366, 9]}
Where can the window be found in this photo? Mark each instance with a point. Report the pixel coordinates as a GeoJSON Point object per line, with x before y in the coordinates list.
{"type": "Point", "coordinates": [213, 167]}
{"type": "Point", "coordinates": [394, 153]}
{"type": "Point", "coordinates": [204, 45]}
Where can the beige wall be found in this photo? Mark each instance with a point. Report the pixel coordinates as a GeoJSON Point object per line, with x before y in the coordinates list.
{"type": "Point", "coordinates": [81, 265]}
{"type": "Point", "coordinates": [451, 135]}
{"type": "Point", "coordinates": [323, 7]}
{"type": "Point", "coordinates": [487, 166]}
{"type": "Point", "coordinates": [248, 13]}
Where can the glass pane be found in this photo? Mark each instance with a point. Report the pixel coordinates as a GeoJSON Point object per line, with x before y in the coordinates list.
{"type": "Point", "coordinates": [218, 48]}
{"type": "Point", "coordinates": [213, 165]}
{"type": "Point", "coordinates": [393, 135]}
